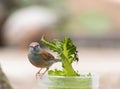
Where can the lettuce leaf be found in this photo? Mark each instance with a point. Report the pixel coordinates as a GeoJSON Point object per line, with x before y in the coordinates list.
{"type": "Point", "coordinates": [66, 51]}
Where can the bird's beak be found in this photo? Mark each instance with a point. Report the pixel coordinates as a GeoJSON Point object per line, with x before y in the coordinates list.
{"type": "Point", "coordinates": [33, 46]}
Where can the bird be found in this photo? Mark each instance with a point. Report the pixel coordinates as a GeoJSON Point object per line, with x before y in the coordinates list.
{"type": "Point", "coordinates": [40, 58]}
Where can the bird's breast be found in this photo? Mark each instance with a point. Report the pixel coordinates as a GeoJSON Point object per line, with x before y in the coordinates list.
{"type": "Point", "coordinates": [36, 60]}
{"type": "Point", "coordinates": [34, 57]}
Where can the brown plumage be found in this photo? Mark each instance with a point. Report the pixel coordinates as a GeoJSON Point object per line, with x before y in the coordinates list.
{"type": "Point", "coordinates": [46, 56]}
{"type": "Point", "coordinates": [40, 58]}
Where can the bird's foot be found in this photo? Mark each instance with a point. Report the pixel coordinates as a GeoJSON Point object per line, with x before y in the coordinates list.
{"type": "Point", "coordinates": [39, 75]}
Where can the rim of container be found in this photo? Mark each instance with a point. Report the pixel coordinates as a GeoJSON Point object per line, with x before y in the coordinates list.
{"type": "Point", "coordinates": [92, 76]}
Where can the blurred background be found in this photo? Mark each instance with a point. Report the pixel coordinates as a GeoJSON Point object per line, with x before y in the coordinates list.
{"type": "Point", "coordinates": [93, 26]}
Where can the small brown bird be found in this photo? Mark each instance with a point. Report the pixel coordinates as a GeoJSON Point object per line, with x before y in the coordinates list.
{"type": "Point", "coordinates": [40, 58]}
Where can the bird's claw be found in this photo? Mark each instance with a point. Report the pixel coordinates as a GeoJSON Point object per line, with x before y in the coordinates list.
{"type": "Point", "coordinates": [39, 75]}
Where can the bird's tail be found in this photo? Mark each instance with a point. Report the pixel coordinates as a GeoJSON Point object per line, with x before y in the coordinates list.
{"type": "Point", "coordinates": [57, 60]}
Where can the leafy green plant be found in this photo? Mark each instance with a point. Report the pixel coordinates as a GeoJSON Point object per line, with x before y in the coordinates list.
{"type": "Point", "coordinates": [67, 52]}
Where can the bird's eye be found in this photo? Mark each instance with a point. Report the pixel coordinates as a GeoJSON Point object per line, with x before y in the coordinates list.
{"type": "Point", "coordinates": [37, 45]}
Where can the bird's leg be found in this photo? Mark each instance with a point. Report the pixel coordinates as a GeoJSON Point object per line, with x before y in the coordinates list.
{"type": "Point", "coordinates": [41, 74]}
{"type": "Point", "coordinates": [38, 73]}
{"type": "Point", "coordinates": [45, 70]}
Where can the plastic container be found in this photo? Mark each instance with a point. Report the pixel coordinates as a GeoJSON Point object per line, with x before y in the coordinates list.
{"type": "Point", "coordinates": [66, 82]}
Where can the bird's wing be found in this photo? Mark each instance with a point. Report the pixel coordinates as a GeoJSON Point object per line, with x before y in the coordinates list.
{"type": "Point", "coordinates": [46, 56]}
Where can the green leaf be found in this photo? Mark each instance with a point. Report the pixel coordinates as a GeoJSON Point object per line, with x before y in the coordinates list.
{"type": "Point", "coordinates": [66, 51]}
{"type": "Point", "coordinates": [51, 45]}
{"type": "Point", "coordinates": [56, 72]}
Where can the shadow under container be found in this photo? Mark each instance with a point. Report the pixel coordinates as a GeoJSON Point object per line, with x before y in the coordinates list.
{"type": "Point", "coordinates": [68, 82]}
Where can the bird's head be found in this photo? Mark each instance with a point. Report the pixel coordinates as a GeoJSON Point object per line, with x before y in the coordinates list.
{"type": "Point", "coordinates": [34, 48]}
